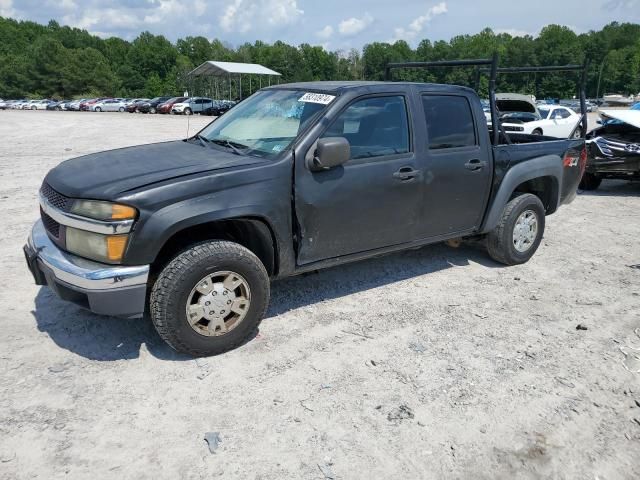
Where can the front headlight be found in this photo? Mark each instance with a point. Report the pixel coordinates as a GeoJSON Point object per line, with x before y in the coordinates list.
{"type": "Point", "coordinates": [104, 211]}
{"type": "Point", "coordinates": [102, 248]}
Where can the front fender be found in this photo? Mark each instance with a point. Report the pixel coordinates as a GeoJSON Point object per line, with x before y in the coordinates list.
{"type": "Point", "coordinates": [261, 193]}
{"type": "Point", "coordinates": [545, 166]}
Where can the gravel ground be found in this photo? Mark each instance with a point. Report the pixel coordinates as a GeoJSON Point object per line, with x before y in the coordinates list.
{"type": "Point", "coordinates": [433, 363]}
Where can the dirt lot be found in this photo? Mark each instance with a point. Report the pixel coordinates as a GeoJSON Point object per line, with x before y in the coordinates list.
{"type": "Point", "coordinates": [434, 363]}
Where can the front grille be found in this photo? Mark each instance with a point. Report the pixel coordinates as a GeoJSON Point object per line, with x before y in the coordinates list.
{"type": "Point", "coordinates": [50, 224]}
{"type": "Point", "coordinates": [56, 199]}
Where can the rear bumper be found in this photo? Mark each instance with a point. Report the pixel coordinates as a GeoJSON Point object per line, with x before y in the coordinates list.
{"type": "Point", "coordinates": [103, 289]}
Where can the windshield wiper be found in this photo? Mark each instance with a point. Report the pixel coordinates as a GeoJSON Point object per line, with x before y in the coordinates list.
{"type": "Point", "coordinates": [203, 140]}
{"type": "Point", "coordinates": [235, 146]}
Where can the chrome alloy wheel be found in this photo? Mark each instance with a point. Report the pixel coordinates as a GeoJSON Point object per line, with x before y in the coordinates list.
{"type": "Point", "coordinates": [525, 231]}
{"type": "Point", "coordinates": [218, 303]}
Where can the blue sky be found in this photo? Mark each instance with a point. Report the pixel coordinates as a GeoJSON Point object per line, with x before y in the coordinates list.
{"type": "Point", "coordinates": [335, 24]}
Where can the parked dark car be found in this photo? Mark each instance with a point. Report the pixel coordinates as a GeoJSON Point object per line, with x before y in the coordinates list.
{"type": "Point", "coordinates": [132, 107]}
{"type": "Point", "coordinates": [296, 178]}
{"type": "Point", "coordinates": [152, 105]}
{"type": "Point", "coordinates": [614, 149]}
{"type": "Point", "coordinates": [165, 107]}
{"type": "Point", "coordinates": [56, 105]}
{"type": "Point", "coordinates": [218, 108]}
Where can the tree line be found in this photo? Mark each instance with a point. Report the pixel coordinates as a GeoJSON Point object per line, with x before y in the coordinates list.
{"type": "Point", "coordinates": [63, 62]}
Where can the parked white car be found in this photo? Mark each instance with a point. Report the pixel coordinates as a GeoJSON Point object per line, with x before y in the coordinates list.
{"type": "Point", "coordinates": [29, 104]}
{"type": "Point", "coordinates": [519, 113]}
{"type": "Point", "coordinates": [40, 104]}
{"type": "Point", "coordinates": [111, 105]}
{"type": "Point", "coordinates": [192, 105]}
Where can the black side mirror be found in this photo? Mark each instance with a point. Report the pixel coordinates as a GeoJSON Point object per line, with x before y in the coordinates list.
{"type": "Point", "coordinates": [330, 152]}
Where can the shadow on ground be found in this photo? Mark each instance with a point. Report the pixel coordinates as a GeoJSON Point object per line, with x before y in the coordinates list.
{"type": "Point", "coordinates": [108, 338]}
{"type": "Point", "coordinates": [614, 188]}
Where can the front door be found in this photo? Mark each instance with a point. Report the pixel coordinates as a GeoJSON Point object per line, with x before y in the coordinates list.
{"type": "Point", "coordinates": [458, 169]}
{"type": "Point", "coordinates": [371, 201]}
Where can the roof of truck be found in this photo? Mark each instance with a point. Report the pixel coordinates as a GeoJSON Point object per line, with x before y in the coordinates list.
{"type": "Point", "coordinates": [338, 86]}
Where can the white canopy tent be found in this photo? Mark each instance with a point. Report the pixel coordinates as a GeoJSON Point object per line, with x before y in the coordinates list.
{"type": "Point", "coordinates": [231, 70]}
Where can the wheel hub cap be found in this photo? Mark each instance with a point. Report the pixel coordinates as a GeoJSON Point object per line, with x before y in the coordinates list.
{"type": "Point", "coordinates": [525, 231]}
{"type": "Point", "coordinates": [218, 303]}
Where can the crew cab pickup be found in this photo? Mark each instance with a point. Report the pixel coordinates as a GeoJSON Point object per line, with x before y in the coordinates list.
{"type": "Point", "coordinates": [295, 178]}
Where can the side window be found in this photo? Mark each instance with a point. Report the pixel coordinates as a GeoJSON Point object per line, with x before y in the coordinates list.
{"type": "Point", "coordinates": [563, 113]}
{"type": "Point", "coordinates": [374, 127]}
{"type": "Point", "coordinates": [449, 121]}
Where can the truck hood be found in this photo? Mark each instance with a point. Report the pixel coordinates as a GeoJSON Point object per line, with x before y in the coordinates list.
{"type": "Point", "coordinates": [107, 175]}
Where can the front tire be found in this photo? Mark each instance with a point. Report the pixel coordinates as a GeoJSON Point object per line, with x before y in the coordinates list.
{"type": "Point", "coordinates": [98, 109]}
{"type": "Point", "coordinates": [210, 298]}
{"type": "Point", "coordinates": [589, 181]}
{"type": "Point", "coordinates": [537, 131]}
{"type": "Point", "coordinates": [519, 232]}
{"type": "Point", "coordinates": [152, 110]}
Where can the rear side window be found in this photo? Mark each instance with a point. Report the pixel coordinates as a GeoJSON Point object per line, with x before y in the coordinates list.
{"type": "Point", "coordinates": [374, 127]}
{"type": "Point", "coordinates": [449, 121]}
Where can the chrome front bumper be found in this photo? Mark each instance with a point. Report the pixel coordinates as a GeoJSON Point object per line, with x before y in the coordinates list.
{"type": "Point", "coordinates": [103, 289]}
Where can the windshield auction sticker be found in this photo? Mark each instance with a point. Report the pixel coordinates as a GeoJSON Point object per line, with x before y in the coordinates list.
{"type": "Point", "coordinates": [317, 98]}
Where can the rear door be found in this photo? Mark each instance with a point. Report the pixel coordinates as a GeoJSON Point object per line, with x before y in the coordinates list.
{"type": "Point", "coordinates": [371, 201]}
{"type": "Point", "coordinates": [204, 104]}
{"type": "Point", "coordinates": [459, 165]}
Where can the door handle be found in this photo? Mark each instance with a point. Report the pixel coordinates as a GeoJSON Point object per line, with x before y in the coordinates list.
{"type": "Point", "coordinates": [406, 173]}
{"type": "Point", "coordinates": [475, 165]}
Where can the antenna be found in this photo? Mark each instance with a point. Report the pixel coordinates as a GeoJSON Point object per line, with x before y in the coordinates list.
{"type": "Point", "coordinates": [188, 122]}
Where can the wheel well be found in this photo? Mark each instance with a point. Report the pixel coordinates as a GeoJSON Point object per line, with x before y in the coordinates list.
{"type": "Point", "coordinates": [545, 188]}
{"type": "Point", "coordinates": [251, 233]}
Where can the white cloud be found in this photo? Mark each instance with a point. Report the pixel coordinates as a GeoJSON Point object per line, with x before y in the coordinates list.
{"type": "Point", "coordinates": [6, 8]}
{"type": "Point", "coordinates": [326, 32]}
{"type": "Point", "coordinates": [353, 26]}
{"type": "Point", "coordinates": [101, 21]}
{"type": "Point", "coordinates": [514, 32]}
{"type": "Point", "coordinates": [417, 26]}
{"type": "Point", "coordinates": [241, 15]}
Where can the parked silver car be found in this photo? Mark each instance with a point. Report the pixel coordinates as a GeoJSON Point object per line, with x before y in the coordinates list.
{"type": "Point", "coordinates": [110, 105]}
{"type": "Point", "coordinates": [192, 105]}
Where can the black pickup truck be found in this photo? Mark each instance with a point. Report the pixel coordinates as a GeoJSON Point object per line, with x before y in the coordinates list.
{"type": "Point", "coordinates": [296, 178]}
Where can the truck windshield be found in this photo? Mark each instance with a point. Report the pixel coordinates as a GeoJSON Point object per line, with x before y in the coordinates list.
{"type": "Point", "coordinates": [266, 123]}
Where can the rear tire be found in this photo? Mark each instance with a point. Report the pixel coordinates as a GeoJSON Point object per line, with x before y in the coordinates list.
{"type": "Point", "coordinates": [589, 181]}
{"type": "Point", "coordinates": [121, 109]}
{"type": "Point", "coordinates": [152, 110]}
{"type": "Point", "coordinates": [519, 232]}
{"type": "Point", "coordinates": [187, 111]}
{"type": "Point", "coordinates": [178, 287]}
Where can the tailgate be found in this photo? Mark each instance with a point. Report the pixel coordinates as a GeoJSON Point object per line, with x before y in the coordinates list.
{"type": "Point", "coordinates": [574, 162]}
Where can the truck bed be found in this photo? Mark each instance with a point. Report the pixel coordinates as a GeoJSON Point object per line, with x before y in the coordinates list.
{"type": "Point", "coordinates": [570, 155]}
